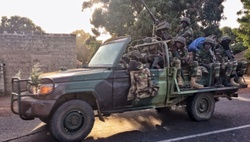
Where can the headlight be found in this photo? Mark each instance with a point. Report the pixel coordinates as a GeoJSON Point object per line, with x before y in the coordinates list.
{"type": "Point", "coordinates": [44, 87]}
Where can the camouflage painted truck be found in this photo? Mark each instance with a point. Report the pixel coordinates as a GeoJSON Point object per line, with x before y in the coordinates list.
{"type": "Point", "coordinates": [68, 100]}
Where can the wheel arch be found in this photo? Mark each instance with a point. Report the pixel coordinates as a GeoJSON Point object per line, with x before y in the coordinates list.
{"type": "Point", "coordinates": [89, 96]}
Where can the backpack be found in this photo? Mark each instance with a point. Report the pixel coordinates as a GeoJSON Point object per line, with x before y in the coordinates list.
{"type": "Point", "coordinates": [196, 44]}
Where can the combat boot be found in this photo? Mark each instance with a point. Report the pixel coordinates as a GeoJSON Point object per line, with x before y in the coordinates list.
{"type": "Point", "coordinates": [180, 81]}
{"type": "Point", "coordinates": [218, 83]}
{"type": "Point", "coordinates": [233, 82]}
{"type": "Point", "coordinates": [241, 82]}
{"type": "Point", "coordinates": [193, 84]}
{"type": "Point", "coordinates": [226, 82]}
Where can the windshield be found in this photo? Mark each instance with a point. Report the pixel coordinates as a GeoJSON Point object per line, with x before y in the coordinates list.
{"type": "Point", "coordinates": [106, 55]}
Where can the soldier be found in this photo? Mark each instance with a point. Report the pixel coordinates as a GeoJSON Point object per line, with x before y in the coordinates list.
{"type": "Point", "coordinates": [162, 30]}
{"type": "Point", "coordinates": [226, 66]}
{"type": "Point", "coordinates": [181, 58]}
{"type": "Point", "coordinates": [205, 57]}
{"type": "Point", "coordinates": [239, 68]}
{"type": "Point", "coordinates": [186, 30]}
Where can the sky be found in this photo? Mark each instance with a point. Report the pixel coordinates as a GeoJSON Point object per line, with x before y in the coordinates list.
{"type": "Point", "coordinates": [66, 16]}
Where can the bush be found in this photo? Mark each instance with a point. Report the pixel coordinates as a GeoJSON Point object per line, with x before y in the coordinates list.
{"type": "Point", "coordinates": [238, 47]}
{"type": "Point", "coordinates": [247, 54]}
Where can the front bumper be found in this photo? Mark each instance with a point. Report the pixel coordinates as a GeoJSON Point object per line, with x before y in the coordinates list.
{"type": "Point", "coordinates": [31, 108]}
{"type": "Point", "coordinates": [26, 105]}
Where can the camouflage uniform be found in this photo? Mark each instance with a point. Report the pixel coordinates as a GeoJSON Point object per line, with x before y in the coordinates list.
{"type": "Point", "coordinates": [140, 84]}
{"type": "Point", "coordinates": [226, 65]}
{"type": "Point", "coordinates": [239, 68]}
{"type": "Point", "coordinates": [182, 58]}
{"type": "Point", "coordinates": [186, 31]}
{"type": "Point", "coordinates": [205, 57]}
{"type": "Point", "coordinates": [178, 56]}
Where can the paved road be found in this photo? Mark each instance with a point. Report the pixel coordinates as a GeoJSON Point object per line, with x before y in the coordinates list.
{"type": "Point", "coordinates": [230, 122]}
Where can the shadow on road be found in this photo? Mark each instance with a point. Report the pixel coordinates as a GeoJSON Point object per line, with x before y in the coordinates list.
{"type": "Point", "coordinates": [143, 126]}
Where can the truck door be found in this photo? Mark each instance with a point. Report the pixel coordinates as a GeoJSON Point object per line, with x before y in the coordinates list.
{"type": "Point", "coordinates": [158, 80]}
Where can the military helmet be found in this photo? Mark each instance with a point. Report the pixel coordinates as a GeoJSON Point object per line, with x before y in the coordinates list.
{"type": "Point", "coordinates": [225, 38]}
{"type": "Point", "coordinates": [186, 19]}
{"type": "Point", "coordinates": [209, 40]}
{"type": "Point", "coordinates": [180, 39]}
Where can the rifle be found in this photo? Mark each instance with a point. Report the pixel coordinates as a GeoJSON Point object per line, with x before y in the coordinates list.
{"type": "Point", "coordinates": [157, 59]}
{"type": "Point", "coordinates": [213, 56]}
{"type": "Point", "coordinates": [229, 55]}
{"type": "Point", "coordinates": [156, 21]}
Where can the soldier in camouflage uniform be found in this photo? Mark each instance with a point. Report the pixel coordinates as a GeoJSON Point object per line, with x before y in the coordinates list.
{"type": "Point", "coordinates": [239, 68]}
{"type": "Point", "coordinates": [182, 58]}
{"type": "Point", "coordinates": [226, 67]}
{"type": "Point", "coordinates": [186, 30]}
{"type": "Point", "coordinates": [205, 57]}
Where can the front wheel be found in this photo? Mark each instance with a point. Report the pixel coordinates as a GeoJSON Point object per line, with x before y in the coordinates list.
{"type": "Point", "coordinates": [200, 107]}
{"type": "Point", "coordinates": [72, 121]}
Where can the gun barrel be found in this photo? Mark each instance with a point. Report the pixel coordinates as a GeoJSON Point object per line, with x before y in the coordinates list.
{"type": "Point", "coordinates": [150, 13]}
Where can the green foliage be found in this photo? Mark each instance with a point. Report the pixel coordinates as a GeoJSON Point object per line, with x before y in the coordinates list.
{"type": "Point", "coordinates": [238, 47]}
{"type": "Point", "coordinates": [227, 31]}
{"type": "Point", "coordinates": [35, 73]}
{"type": "Point", "coordinates": [81, 48]}
{"type": "Point", "coordinates": [18, 24]}
{"type": "Point", "coordinates": [86, 45]}
{"type": "Point", "coordinates": [243, 31]}
{"type": "Point", "coordinates": [247, 54]}
{"type": "Point", "coordinates": [129, 17]}
{"type": "Point", "coordinates": [93, 45]}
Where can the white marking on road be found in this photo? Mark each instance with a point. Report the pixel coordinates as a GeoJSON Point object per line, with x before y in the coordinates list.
{"type": "Point", "coordinates": [206, 134]}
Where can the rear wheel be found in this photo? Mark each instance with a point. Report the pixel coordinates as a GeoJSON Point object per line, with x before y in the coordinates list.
{"type": "Point", "coordinates": [200, 107]}
{"type": "Point", "coordinates": [72, 121]}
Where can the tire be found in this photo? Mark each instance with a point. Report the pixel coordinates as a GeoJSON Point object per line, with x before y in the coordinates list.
{"type": "Point", "coordinates": [200, 107]}
{"type": "Point", "coordinates": [72, 121]}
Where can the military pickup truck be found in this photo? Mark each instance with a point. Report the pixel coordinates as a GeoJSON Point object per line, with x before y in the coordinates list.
{"type": "Point", "coordinates": [68, 100]}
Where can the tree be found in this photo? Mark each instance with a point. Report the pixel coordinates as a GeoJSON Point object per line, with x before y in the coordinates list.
{"type": "Point", "coordinates": [227, 31]}
{"type": "Point", "coordinates": [86, 45]}
{"type": "Point", "coordinates": [243, 31]}
{"type": "Point", "coordinates": [81, 49]}
{"type": "Point", "coordinates": [122, 17]}
{"type": "Point", "coordinates": [93, 44]}
{"type": "Point", "coordinates": [18, 24]}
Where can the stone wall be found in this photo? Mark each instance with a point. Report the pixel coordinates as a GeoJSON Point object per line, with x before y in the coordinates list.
{"type": "Point", "coordinates": [23, 51]}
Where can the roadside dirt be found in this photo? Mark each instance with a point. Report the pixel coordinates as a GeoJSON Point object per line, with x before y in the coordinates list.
{"type": "Point", "coordinates": [5, 106]}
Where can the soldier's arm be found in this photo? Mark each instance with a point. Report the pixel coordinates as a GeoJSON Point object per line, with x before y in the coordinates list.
{"type": "Point", "coordinates": [186, 34]}
{"type": "Point", "coordinates": [197, 56]}
{"type": "Point", "coordinates": [186, 56]}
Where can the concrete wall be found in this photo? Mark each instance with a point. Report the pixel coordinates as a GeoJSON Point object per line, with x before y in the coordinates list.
{"type": "Point", "coordinates": [23, 51]}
